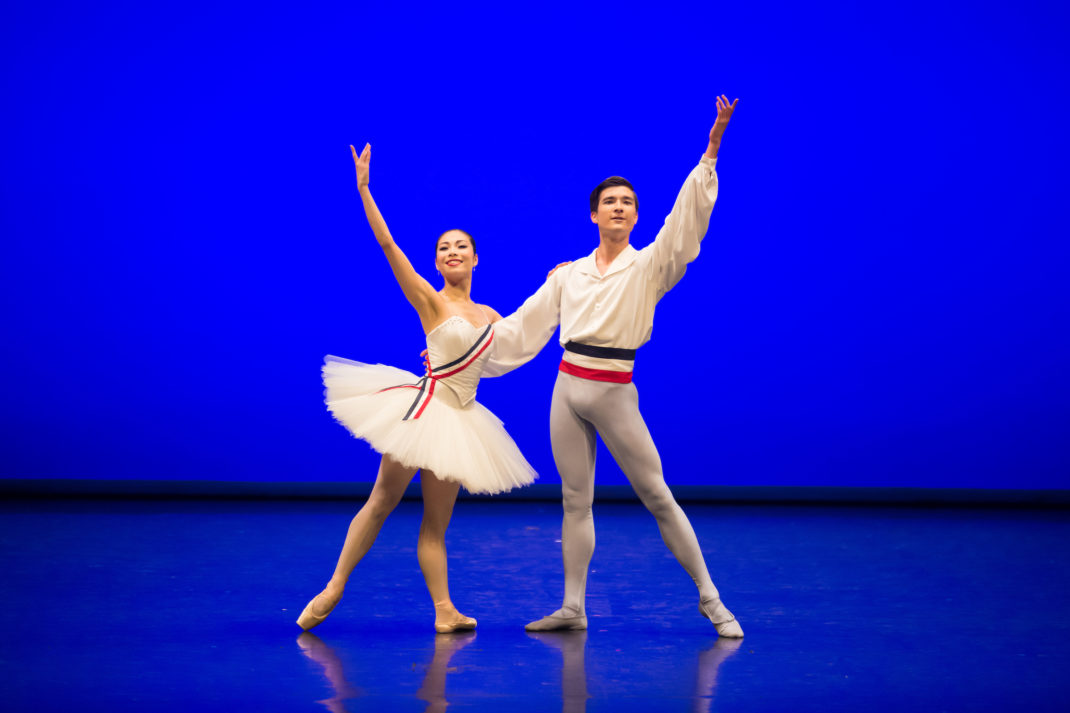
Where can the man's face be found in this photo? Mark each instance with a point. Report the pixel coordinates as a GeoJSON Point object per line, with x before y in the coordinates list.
{"type": "Point", "coordinates": [616, 210]}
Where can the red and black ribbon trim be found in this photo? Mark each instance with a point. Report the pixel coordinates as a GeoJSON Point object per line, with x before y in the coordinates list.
{"type": "Point", "coordinates": [426, 385]}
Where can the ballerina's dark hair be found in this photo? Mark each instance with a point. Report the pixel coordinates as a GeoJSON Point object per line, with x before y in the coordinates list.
{"type": "Point", "coordinates": [458, 230]}
{"type": "Point", "coordinates": [609, 183]}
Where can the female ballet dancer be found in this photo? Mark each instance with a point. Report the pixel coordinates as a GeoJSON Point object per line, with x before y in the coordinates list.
{"type": "Point", "coordinates": [431, 424]}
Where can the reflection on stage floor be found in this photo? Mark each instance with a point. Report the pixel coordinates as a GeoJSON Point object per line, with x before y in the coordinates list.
{"type": "Point", "coordinates": [157, 605]}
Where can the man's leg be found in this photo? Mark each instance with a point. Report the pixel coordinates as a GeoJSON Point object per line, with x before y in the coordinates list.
{"type": "Point", "coordinates": [617, 418]}
{"type": "Point", "coordinates": [573, 442]}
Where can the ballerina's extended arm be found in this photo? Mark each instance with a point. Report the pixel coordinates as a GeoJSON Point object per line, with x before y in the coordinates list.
{"type": "Point", "coordinates": [418, 291]}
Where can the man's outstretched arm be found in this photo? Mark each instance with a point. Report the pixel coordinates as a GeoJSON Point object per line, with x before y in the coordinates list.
{"type": "Point", "coordinates": [677, 243]}
{"type": "Point", "coordinates": [523, 334]}
{"type": "Point", "coordinates": [724, 113]}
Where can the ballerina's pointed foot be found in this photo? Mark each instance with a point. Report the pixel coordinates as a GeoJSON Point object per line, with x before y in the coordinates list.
{"type": "Point", "coordinates": [317, 610]}
{"type": "Point", "coordinates": [458, 622]}
{"type": "Point", "coordinates": [723, 620]}
{"type": "Point", "coordinates": [560, 620]}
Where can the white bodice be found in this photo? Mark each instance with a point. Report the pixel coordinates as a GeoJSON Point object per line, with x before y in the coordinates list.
{"type": "Point", "coordinates": [457, 350]}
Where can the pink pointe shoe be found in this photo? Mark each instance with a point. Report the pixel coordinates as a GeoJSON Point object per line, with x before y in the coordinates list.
{"type": "Point", "coordinates": [309, 619]}
{"type": "Point", "coordinates": [461, 623]}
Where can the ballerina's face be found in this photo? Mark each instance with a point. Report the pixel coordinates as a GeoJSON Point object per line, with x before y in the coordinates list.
{"type": "Point", "coordinates": [456, 255]}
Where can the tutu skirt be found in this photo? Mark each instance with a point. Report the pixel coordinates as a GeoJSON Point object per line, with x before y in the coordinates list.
{"type": "Point", "coordinates": [466, 444]}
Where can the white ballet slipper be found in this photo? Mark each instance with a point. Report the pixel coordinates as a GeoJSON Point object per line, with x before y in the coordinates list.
{"type": "Point", "coordinates": [723, 620]}
{"type": "Point", "coordinates": [559, 622]}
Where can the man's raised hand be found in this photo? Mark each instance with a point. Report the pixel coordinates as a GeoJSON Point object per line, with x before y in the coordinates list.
{"type": "Point", "coordinates": [363, 164]}
{"type": "Point", "coordinates": [724, 113]}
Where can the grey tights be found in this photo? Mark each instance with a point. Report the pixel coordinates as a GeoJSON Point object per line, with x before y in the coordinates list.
{"type": "Point", "coordinates": [580, 408]}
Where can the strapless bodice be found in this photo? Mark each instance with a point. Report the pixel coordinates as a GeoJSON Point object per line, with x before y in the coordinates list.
{"type": "Point", "coordinates": [457, 350]}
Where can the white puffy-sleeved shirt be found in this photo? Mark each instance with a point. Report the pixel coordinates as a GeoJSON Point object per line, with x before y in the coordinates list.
{"type": "Point", "coordinates": [615, 309]}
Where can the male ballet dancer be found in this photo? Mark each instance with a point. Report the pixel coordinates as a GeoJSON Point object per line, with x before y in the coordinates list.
{"type": "Point", "coordinates": [605, 304]}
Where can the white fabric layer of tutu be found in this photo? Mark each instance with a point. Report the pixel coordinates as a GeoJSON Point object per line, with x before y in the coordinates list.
{"type": "Point", "coordinates": [466, 444]}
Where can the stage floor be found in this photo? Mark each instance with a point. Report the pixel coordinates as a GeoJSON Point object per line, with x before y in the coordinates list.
{"type": "Point", "coordinates": [190, 606]}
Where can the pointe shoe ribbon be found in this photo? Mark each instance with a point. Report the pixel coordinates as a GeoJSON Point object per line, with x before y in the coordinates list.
{"type": "Point", "coordinates": [727, 627]}
{"type": "Point", "coordinates": [557, 622]}
{"type": "Point", "coordinates": [308, 619]}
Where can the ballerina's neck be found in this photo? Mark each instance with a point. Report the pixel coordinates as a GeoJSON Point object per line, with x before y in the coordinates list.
{"type": "Point", "coordinates": [461, 292]}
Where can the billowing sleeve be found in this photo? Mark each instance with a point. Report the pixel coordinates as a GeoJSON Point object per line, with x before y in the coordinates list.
{"type": "Point", "coordinates": [677, 243]}
{"type": "Point", "coordinates": [523, 334]}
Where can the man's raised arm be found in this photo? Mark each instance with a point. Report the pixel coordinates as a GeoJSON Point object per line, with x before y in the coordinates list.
{"type": "Point", "coordinates": [724, 113]}
{"type": "Point", "coordinates": [677, 243]}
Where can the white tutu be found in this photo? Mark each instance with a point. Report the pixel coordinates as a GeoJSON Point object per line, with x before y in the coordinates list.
{"type": "Point", "coordinates": [466, 444]}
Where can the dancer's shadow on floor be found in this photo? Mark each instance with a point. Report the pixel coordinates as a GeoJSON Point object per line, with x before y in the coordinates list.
{"type": "Point", "coordinates": [709, 661]}
{"type": "Point", "coordinates": [433, 689]}
{"type": "Point", "coordinates": [313, 647]}
{"type": "Point", "coordinates": [573, 648]}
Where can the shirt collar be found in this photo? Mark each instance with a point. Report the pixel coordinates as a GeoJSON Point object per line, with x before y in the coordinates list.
{"type": "Point", "coordinates": [589, 265]}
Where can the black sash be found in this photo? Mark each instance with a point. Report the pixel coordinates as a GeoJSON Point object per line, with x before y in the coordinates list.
{"type": "Point", "coordinates": [600, 352]}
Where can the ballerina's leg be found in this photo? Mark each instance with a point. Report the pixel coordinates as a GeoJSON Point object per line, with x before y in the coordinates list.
{"type": "Point", "coordinates": [390, 484]}
{"type": "Point", "coordinates": [439, 497]}
{"type": "Point", "coordinates": [389, 488]}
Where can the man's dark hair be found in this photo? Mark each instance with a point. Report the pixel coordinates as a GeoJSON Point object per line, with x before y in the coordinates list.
{"type": "Point", "coordinates": [458, 230]}
{"type": "Point", "coordinates": [596, 194]}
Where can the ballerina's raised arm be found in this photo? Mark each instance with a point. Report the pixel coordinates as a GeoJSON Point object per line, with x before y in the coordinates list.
{"type": "Point", "coordinates": [418, 291]}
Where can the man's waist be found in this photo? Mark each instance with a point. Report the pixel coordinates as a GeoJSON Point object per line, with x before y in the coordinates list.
{"type": "Point", "coordinates": [613, 364]}
{"type": "Point", "coordinates": [589, 350]}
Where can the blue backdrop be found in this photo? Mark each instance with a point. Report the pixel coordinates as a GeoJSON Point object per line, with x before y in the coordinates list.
{"type": "Point", "coordinates": [881, 299]}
